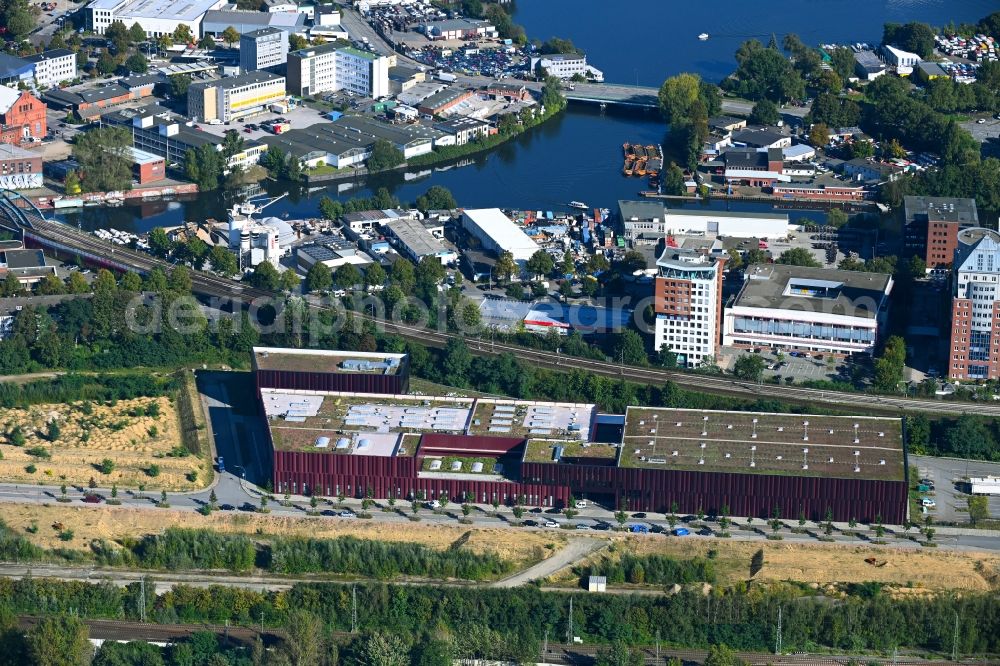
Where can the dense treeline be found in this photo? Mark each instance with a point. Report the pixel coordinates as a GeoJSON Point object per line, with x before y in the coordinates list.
{"type": "Point", "coordinates": [73, 388]}
{"type": "Point", "coordinates": [967, 436]}
{"type": "Point", "coordinates": [651, 570]}
{"type": "Point", "coordinates": [379, 559]}
{"type": "Point", "coordinates": [516, 620]}
{"type": "Point", "coordinates": [181, 549]}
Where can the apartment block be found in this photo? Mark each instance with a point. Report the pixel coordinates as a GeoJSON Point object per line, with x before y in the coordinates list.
{"type": "Point", "coordinates": [333, 67]}
{"type": "Point", "coordinates": [687, 302]}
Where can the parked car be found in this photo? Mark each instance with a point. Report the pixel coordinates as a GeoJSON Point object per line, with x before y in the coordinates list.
{"type": "Point", "coordinates": [531, 523]}
{"type": "Point", "coordinates": [226, 507]}
{"type": "Point", "coordinates": [92, 498]}
{"type": "Point", "coordinates": [551, 523]}
{"type": "Point", "coordinates": [681, 531]}
{"type": "Point", "coordinates": [347, 514]}
{"type": "Point", "coordinates": [582, 526]}
{"type": "Point", "coordinates": [928, 502]}
{"type": "Point", "coordinates": [581, 504]}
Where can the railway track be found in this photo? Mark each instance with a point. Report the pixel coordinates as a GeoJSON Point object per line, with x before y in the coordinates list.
{"type": "Point", "coordinates": [59, 235]}
{"type": "Point", "coordinates": [553, 653]}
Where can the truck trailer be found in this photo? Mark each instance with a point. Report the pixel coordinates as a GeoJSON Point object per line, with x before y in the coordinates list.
{"type": "Point", "coordinates": [986, 485]}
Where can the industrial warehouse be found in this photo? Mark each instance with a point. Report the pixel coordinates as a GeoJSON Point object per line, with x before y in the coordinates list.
{"type": "Point", "coordinates": [342, 422]}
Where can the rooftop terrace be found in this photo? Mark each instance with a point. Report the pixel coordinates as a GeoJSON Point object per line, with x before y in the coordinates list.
{"type": "Point", "coordinates": [763, 443]}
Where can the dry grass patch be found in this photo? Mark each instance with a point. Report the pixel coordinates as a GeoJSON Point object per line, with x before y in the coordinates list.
{"type": "Point", "coordinates": [825, 564]}
{"type": "Point", "coordinates": [112, 523]}
{"type": "Point", "coordinates": [123, 432]}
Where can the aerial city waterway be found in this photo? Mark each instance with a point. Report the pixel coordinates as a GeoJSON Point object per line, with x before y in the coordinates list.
{"type": "Point", "coordinates": [577, 155]}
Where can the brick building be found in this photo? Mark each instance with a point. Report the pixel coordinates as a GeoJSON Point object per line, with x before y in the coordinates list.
{"type": "Point", "coordinates": [974, 350]}
{"type": "Point", "coordinates": [22, 117]}
{"type": "Point", "coordinates": [147, 167]}
{"type": "Point", "coordinates": [932, 225]}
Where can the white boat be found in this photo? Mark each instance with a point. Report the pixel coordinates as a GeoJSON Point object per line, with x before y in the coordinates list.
{"type": "Point", "coordinates": [578, 204]}
{"type": "Point", "coordinates": [703, 36]}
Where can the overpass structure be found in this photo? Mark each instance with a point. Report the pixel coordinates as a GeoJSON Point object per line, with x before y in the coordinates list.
{"type": "Point", "coordinates": [17, 212]}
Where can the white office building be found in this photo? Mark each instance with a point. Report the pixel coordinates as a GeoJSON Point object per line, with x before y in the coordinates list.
{"type": "Point", "coordinates": [497, 233]}
{"type": "Point", "coordinates": [903, 61]}
{"type": "Point", "coordinates": [53, 67]}
{"type": "Point", "coordinates": [156, 17]}
{"type": "Point", "coordinates": [266, 49]}
{"type": "Point", "coordinates": [565, 66]}
{"type": "Point", "coordinates": [333, 67]}
{"type": "Point", "coordinates": [687, 302]}
{"type": "Point", "coordinates": [795, 308]}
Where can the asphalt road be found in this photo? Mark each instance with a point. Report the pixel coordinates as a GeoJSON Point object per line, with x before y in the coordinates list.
{"type": "Point", "coordinates": [574, 551]}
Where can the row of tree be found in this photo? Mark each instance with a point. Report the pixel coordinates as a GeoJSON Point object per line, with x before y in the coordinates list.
{"type": "Point", "coordinates": [184, 549]}
{"type": "Point", "coordinates": [511, 623]}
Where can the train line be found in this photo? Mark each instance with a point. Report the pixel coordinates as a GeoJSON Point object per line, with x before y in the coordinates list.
{"type": "Point", "coordinates": [68, 239]}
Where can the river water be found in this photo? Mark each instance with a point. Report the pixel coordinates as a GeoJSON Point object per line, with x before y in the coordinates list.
{"type": "Point", "coordinates": [577, 156]}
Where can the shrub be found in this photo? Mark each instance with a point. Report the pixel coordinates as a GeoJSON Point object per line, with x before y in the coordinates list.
{"type": "Point", "coordinates": [106, 466]}
{"type": "Point", "coordinates": [153, 470]}
{"type": "Point", "coordinates": [30, 469]}
{"type": "Point", "coordinates": [39, 452]}
{"type": "Point", "coordinates": [66, 535]}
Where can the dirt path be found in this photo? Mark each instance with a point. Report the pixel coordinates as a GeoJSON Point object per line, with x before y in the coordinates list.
{"type": "Point", "coordinates": [574, 551]}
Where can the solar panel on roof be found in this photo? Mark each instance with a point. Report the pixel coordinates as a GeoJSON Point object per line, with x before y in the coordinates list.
{"type": "Point", "coordinates": [499, 429]}
{"type": "Point", "coordinates": [541, 431]}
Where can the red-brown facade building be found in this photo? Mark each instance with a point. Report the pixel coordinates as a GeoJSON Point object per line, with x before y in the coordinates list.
{"type": "Point", "coordinates": [22, 117]}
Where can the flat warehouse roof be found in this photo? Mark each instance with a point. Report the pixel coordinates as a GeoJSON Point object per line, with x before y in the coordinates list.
{"type": "Point", "coordinates": [415, 237]}
{"type": "Point", "coordinates": [820, 290]}
{"type": "Point", "coordinates": [321, 360]}
{"type": "Point", "coordinates": [507, 235]}
{"type": "Point", "coordinates": [185, 10]}
{"type": "Point", "coordinates": [763, 443]}
{"type": "Point", "coordinates": [725, 213]}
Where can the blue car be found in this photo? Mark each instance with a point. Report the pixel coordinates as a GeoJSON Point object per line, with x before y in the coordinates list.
{"type": "Point", "coordinates": [639, 529]}
{"type": "Point", "coordinates": [681, 531]}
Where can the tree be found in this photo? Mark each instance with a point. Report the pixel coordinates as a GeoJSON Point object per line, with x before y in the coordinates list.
{"type": "Point", "coordinates": [889, 366]}
{"type": "Point", "coordinates": [347, 276]}
{"type": "Point", "coordinates": [204, 165]}
{"type": "Point", "coordinates": [384, 649]}
{"type": "Point", "coordinates": [765, 112]}
{"type": "Point", "coordinates": [105, 158]}
{"type": "Point", "coordinates": [182, 34]}
{"type": "Point", "coordinates": [265, 276]}
{"type": "Point", "coordinates": [677, 95]}
{"type": "Point", "coordinates": [436, 198]}
{"type": "Point", "coordinates": [106, 64]}
{"type": "Point", "coordinates": [137, 63]}
{"type": "Point", "coordinates": [230, 35]}
{"type": "Point", "coordinates": [629, 348]}
{"type": "Point", "coordinates": [915, 37]}
{"type": "Point", "coordinates": [798, 256]}
{"type": "Point", "coordinates": [764, 74]}
{"type": "Point", "coordinates": [384, 156]}
{"type": "Point", "coordinates": [59, 640]}
{"type": "Point", "coordinates": [289, 280]}
{"type": "Point", "coordinates": [319, 277]}
{"type": "Point", "coordinates": [223, 261]}
{"type": "Point", "coordinates": [179, 84]}
{"type": "Point", "coordinates": [53, 431]}
{"type": "Point", "coordinates": [72, 182]}
{"type": "Point", "coordinates": [206, 43]}
{"type": "Point", "coordinates": [819, 135]}
{"type": "Point", "coordinates": [456, 363]}
{"type": "Point", "coordinates": [979, 508]}
{"type": "Point", "coordinates": [673, 181]}
{"type": "Point", "coordinates": [540, 263]}
{"type": "Point", "coordinates": [505, 267]}
{"type": "Point", "coordinates": [749, 367]}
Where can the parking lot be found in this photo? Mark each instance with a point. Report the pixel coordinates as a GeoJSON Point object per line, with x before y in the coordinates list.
{"type": "Point", "coordinates": [800, 368]}
{"type": "Point", "coordinates": [982, 131]}
{"type": "Point", "coordinates": [947, 475]}
{"type": "Point", "coordinates": [298, 117]}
